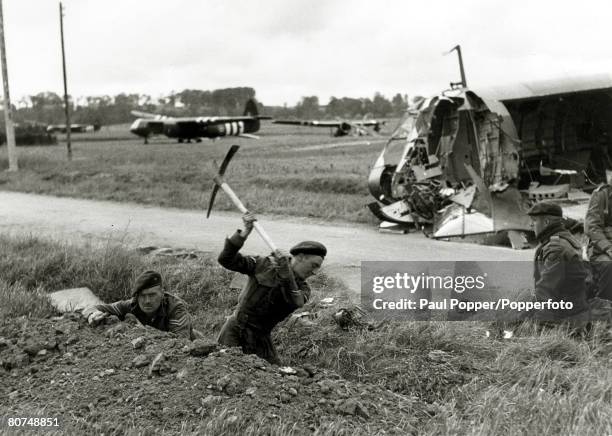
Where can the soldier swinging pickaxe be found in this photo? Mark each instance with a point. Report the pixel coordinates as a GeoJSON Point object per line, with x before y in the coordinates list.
{"type": "Point", "coordinates": [220, 183]}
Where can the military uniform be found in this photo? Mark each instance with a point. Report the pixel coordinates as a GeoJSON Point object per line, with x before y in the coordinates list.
{"type": "Point", "coordinates": [560, 274]}
{"type": "Point", "coordinates": [598, 227]}
{"type": "Point", "coordinates": [559, 271]}
{"type": "Point", "coordinates": [172, 315]}
{"type": "Point", "coordinates": [265, 301]}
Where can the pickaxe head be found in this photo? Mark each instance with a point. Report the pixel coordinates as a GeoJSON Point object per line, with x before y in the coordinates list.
{"type": "Point", "coordinates": [220, 171]}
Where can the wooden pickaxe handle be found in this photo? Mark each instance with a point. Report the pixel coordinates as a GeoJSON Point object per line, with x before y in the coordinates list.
{"type": "Point", "coordinates": [230, 193]}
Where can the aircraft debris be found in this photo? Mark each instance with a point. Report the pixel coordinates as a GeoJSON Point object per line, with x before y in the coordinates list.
{"type": "Point", "coordinates": [472, 162]}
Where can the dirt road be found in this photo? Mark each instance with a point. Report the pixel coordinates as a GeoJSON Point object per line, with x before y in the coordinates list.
{"type": "Point", "coordinates": [348, 243]}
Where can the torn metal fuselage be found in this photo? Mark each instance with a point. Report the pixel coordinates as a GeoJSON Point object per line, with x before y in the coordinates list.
{"type": "Point", "coordinates": [471, 164]}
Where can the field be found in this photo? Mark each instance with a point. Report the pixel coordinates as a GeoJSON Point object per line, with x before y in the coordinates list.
{"type": "Point", "coordinates": [399, 378]}
{"type": "Point", "coordinates": [425, 378]}
{"type": "Point", "coordinates": [330, 179]}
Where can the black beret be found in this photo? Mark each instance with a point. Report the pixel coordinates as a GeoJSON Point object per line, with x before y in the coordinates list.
{"type": "Point", "coordinates": [545, 208]}
{"type": "Point", "coordinates": [309, 247]}
{"type": "Point", "coordinates": [146, 280]}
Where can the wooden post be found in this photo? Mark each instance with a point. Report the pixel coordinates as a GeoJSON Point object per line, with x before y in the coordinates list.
{"type": "Point", "coordinates": [66, 102]}
{"type": "Point", "coordinates": [8, 115]}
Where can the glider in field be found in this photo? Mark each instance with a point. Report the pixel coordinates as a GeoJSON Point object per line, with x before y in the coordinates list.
{"type": "Point", "coordinates": [184, 129]}
{"type": "Point", "coordinates": [339, 127]}
{"type": "Point", "coordinates": [74, 128]}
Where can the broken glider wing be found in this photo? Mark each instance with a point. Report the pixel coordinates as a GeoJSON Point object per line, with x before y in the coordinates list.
{"type": "Point", "coordinates": [331, 123]}
{"type": "Point", "coordinates": [149, 116]}
{"type": "Point", "coordinates": [312, 123]}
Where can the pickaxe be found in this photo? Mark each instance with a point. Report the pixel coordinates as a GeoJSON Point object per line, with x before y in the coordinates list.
{"type": "Point", "coordinates": [220, 183]}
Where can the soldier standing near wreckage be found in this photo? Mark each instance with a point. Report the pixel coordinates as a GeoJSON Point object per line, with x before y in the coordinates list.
{"type": "Point", "coordinates": [559, 271]}
{"type": "Point", "coordinates": [598, 227]}
{"type": "Point", "coordinates": [276, 287]}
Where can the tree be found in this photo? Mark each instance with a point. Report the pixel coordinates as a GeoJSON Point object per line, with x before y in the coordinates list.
{"type": "Point", "coordinates": [47, 107]}
{"type": "Point", "coordinates": [196, 101]}
{"type": "Point", "coordinates": [334, 107]}
{"type": "Point", "coordinates": [399, 104]}
{"type": "Point", "coordinates": [231, 101]}
{"type": "Point", "coordinates": [367, 108]}
{"type": "Point", "coordinates": [308, 107]}
{"type": "Point", "coordinates": [344, 107]}
{"type": "Point", "coordinates": [124, 104]}
{"type": "Point", "coordinates": [381, 107]}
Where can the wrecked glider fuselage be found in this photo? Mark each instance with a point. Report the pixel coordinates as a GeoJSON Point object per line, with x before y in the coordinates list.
{"type": "Point", "coordinates": [471, 164]}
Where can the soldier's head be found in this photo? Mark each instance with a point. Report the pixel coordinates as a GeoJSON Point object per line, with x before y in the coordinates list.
{"type": "Point", "coordinates": [148, 291]}
{"type": "Point", "coordinates": [307, 258]}
{"type": "Point", "coordinates": [544, 215]}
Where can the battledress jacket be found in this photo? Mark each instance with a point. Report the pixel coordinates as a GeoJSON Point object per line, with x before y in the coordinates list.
{"type": "Point", "coordinates": [560, 274]}
{"type": "Point", "coordinates": [265, 301]}
{"type": "Point", "coordinates": [172, 315]}
{"type": "Point", "coordinates": [598, 223]}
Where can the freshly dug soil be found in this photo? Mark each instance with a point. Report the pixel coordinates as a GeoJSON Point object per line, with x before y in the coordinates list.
{"type": "Point", "coordinates": [122, 377]}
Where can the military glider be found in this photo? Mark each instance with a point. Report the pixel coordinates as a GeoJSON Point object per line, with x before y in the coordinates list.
{"type": "Point", "coordinates": [196, 128]}
{"type": "Point", "coordinates": [339, 127]}
{"type": "Point", "coordinates": [471, 162]}
{"type": "Point", "coordinates": [74, 128]}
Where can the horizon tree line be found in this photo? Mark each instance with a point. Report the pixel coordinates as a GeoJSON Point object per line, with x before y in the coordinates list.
{"type": "Point", "coordinates": [48, 107]}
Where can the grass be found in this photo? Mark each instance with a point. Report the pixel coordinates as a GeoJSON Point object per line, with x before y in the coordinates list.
{"type": "Point", "coordinates": [545, 383]}
{"type": "Point", "coordinates": [30, 265]}
{"type": "Point", "coordinates": [18, 301]}
{"type": "Point", "coordinates": [230, 422]}
{"type": "Point", "coordinates": [267, 174]}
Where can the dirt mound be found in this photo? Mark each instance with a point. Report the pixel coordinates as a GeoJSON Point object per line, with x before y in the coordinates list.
{"type": "Point", "coordinates": [127, 378]}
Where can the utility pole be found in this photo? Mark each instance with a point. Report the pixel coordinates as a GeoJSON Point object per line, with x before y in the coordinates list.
{"type": "Point", "coordinates": [8, 115]}
{"type": "Point", "coordinates": [66, 103]}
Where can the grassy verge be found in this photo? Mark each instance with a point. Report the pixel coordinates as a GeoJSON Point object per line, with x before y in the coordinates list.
{"type": "Point", "coordinates": [268, 174]}
{"type": "Point", "coordinates": [545, 383]}
{"type": "Point", "coordinates": [30, 266]}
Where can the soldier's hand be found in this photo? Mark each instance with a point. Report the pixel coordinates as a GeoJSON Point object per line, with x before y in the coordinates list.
{"type": "Point", "coordinates": [284, 264]}
{"type": "Point", "coordinates": [130, 318]}
{"type": "Point", "coordinates": [96, 317]}
{"type": "Point", "coordinates": [280, 254]}
{"type": "Point", "coordinates": [248, 219]}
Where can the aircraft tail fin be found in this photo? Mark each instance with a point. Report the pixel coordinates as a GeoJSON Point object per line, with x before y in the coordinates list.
{"type": "Point", "coordinates": [250, 109]}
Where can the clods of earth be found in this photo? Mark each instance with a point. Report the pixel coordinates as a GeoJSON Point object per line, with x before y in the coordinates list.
{"type": "Point", "coordinates": [121, 376]}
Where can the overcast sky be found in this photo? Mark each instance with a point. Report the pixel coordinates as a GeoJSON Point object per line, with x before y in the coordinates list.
{"type": "Point", "coordinates": [287, 49]}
